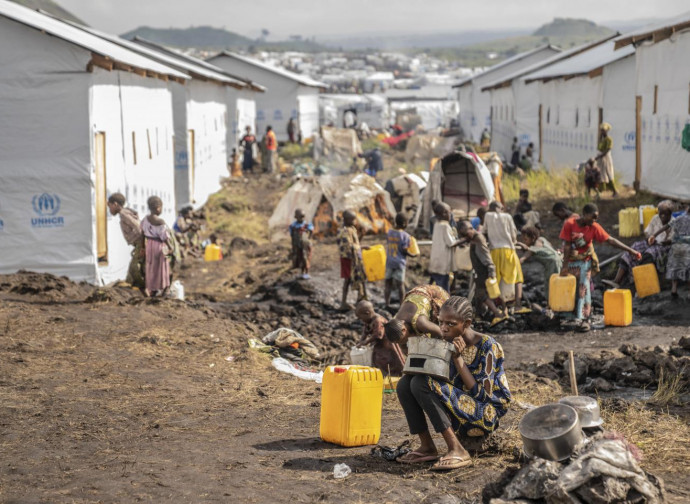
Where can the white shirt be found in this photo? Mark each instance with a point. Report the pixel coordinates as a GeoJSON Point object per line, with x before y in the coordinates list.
{"type": "Point", "coordinates": [441, 248]}
{"type": "Point", "coordinates": [500, 230]}
{"type": "Point", "coordinates": [654, 226]}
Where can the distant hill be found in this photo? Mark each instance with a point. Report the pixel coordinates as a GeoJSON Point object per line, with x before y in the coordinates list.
{"type": "Point", "coordinates": [51, 7]}
{"type": "Point", "coordinates": [209, 38]}
{"type": "Point", "coordinates": [566, 27]}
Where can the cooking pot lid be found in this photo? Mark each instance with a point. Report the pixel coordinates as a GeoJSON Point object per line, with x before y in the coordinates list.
{"type": "Point", "coordinates": [581, 402]}
{"type": "Point", "coordinates": [548, 422]}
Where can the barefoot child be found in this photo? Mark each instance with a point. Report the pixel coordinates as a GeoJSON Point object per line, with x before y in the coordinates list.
{"type": "Point", "coordinates": [387, 356]}
{"type": "Point", "coordinates": [443, 241]}
{"type": "Point", "coordinates": [351, 268]}
{"type": "Point", "coordinates": [300, 235]}
{"type": "Point", "coordinates": [470, 405]}
{"type": "Point", "coordinates": [398, 241]}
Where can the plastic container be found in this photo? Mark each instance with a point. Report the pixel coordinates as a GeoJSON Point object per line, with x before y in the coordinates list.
{"type": "Point", "coordinates": [351, 400]}
{"type": "Point", "coordinates": [492, 288]}
{"type": "Point", "coordinates": [562, 293]}
{"type": "Point", "coordinates": [618, 307]}
{"type": "Point", "coordinates": [212, 252]}
{"type": "Point", "coordinates": [361, 356]}
{"type": "Point", "coordinates": [646, 280]}
{"type": "Point", "coordinates": [374, 260]}
{"type": "Point", "coordinates": [413, 249]}
{"type": "Point", "coordinates": [629, 222]}
{"type": "Point", "coordinates": [647, 213]}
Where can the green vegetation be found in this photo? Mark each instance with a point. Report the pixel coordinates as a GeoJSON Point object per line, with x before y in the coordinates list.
{"type": "Point", "coordinates": [292, 152]}
{"type": "Point", "coordinates": [562, 183]}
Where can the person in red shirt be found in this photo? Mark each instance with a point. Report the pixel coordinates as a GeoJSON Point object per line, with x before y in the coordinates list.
{"type": "Point", "coordinates": [271, 144]}
{"type": "Point", "coordinates": [579, 259]}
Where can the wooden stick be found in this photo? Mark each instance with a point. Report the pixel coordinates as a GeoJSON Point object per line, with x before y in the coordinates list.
{"type": "Point", "coordinates": [571, 369]}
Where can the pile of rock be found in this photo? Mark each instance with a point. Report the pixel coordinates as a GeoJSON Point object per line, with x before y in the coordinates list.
{"type": "Point", "coordinates": [629, 366]}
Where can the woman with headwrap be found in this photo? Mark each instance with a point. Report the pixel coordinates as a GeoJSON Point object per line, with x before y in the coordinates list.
{"type": "Point", "coordinates": [604, 158]}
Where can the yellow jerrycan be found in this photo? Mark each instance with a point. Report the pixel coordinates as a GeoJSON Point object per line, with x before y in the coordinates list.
{"type": "Point", "coordinates": [351, 402]}
{"type": "Point", "coordinates": [648, 213]}
{"type": "Point", "coordinates": [212, 252]}
{"type": "Point", "coordinates": [374, 260]}
{"type": "Point", "coordinates": [618, 307]}
{"type": "Point", "coordinates": [629, 222]}
{"type": "Point", "coordinates": [413, 249]}
{"type": "Point", "coordinates": [492, 288]}
{"type": "Point", "coordinates": [646, 280]}
{"type": "Point", "coordinates": [562, 293]}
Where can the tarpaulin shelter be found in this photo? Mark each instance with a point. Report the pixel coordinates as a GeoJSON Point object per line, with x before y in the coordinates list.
{"type": "Point", "coordinates": [323, 199]}
{"type": "Point", "coordinates": [577, 95]}
{"type": "Point", "coordinates": [80, 118]}
{"type": "Point", "coordinates": [340, 144]}
{"type": "Point", "coordinates": [461, 180]}
{"type": "Point", "coordinates": [475, 105]}
{"type": "Point", "coordinates": [369, 108]}
{"type": "Point", "coordinates": [288, 95]}
{"type": "Point", "coordinates": [662, 105]}
{"type": "Point", "coordinates": [427, 147]}
{"type": "Point", "coordinates": [515, 104]}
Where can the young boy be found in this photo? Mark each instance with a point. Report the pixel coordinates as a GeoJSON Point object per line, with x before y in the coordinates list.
{"type": "Point", "coordinates": [442, 243]}
{"type": "Point", "coordinates": [300, 235]}
{"type": "Point", "coordinates": [351, 268]}
{"type": "Point", "coordinates": [398, 241]}
{"type": "Point", "coordinates": [484, 268]}
{"type": "Point", "coordinates": [502, 234]}
{"type": "Point", "coordinates": [386, 356]}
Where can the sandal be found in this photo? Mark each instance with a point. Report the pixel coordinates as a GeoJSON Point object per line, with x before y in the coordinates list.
{"type": "Point", "coordinates": [584, 327]}
{"type": "Point", "coordinates": [521, 310]}
{"type": "Point", "coordinates": [415, 457]}
{"type": "Point", "coordinates": [450, 463]}
{"type": "Point", "coordinates": [498, 320]}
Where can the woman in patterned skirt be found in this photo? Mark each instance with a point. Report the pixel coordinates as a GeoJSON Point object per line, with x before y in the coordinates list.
{"type": "Point", "coordinates": [470, 405]}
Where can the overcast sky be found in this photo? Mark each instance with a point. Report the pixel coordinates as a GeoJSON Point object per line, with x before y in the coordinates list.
{"type": "Point", "coordinates": [325, 18]}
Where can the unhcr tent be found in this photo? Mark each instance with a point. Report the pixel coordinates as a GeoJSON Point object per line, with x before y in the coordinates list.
{"type": "Point", "coordinates": [81, 118]}
{"type": "Point", "coordinates": [340, 145]}
{"type": "Point", "coordinates": [461, 180]}
{"type": "Point", "coordinates": [323, 199]}
{"type": "Point", "coordinates": [368, 108]}
{"type": "Point", "coordinates": [662, 105]}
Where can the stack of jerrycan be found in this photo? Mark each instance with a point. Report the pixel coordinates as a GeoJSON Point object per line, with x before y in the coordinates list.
{"type": "Point", "coordinates": [351, 401]}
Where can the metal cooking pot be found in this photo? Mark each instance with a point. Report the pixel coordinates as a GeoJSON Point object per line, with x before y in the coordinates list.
{"type": "Point", "coordinates": [429, 356]}
{"type": "Point", "coordinates": [551, 432]}
{"type": "Point", "coordinates": [587, 410]}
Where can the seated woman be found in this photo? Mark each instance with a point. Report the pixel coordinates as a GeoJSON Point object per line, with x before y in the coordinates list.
{"type": "Point", "coordinates": [418, 314]}
{"type": "Point", "coordinates": [678, 266]}
{"type": "Point", "coordinates": [654, 248]}
{"type": "Point", "coordinates": [470, 405]}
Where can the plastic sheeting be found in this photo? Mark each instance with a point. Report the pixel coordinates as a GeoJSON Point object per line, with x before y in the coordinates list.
{"type": "Point", "coordinates": [340, 144]}
{"type": "Point", "coordinates": [427, 147]}
{"type": "Point", "coordinates": [360, 193]}
{"type": "Point", "coordinates": [434, 113]}
{"type": "Point", "coordinates": [664, 167]}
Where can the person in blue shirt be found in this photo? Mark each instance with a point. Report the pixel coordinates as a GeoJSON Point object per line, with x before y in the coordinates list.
{"type": "Point", "coordinates": [398, 243]}
{"type": "Point", "coordinates": [374, 162]}
{"type": "Point", "coordinates": [300, 235]}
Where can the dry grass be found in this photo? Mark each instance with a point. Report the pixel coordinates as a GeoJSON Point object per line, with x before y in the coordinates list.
{"type": "Point", "coordinates": [669, 389]}
{"type": "Point", "coordinates": [547, 184]}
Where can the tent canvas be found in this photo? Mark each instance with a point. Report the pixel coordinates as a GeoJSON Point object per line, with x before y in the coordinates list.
{"type": "Point", "coordinates": [462, 181]}
{"type": "Point", "coordinates": [70, 138]}
{"type": "Point", "coordinates": [340, 144]}
{"type": "Point", "coordinates": [323, 199]}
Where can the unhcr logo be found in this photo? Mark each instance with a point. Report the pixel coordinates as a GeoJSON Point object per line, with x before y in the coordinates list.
{"type": "Point", "coordinates": [46, 206]}
{"type": "Point", "coordinates": [629, 139]}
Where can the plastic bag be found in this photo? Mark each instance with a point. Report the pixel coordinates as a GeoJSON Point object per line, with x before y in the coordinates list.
{"type": "Point", "coordinates": [341, 471]}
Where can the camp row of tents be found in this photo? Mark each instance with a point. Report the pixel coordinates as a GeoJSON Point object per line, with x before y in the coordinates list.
{"type": "Point", "coordinates": [639, 82]}
{"type": "Point", "coordinates": [84, 114]}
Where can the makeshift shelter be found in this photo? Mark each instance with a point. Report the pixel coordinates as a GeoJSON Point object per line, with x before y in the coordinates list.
{"type": "Point", "coordinates": [426, 147]}
{"type": "Point", "coordinates": [368, 108]}
{"type": "Point", "coordinates": [288, 95]}
{"type": "Point", "coordinates": [339, 145]}
{"type": "Point", "coordinates": [580, 93]}
{"type": "Point", "coordinates": [460, 179]}
{"type": "Point", "coordinates": [515, 104]}
{"type": "Point", "coordinates": [81, 118]}
{"type": "Point", "coordinates": [324, 199]}
{"type": "Point", "coordinates": [662, 105]}
{"type": "Point", "coordinates": [433, 112]}
{"type": "Point", "coordinates": [475, 106]}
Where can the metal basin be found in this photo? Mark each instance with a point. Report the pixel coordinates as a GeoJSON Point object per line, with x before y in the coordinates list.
{"type": "Point", "coordinates": [587, 410]}
{"type": "Point", "coordinates": [429, 356]}
{"type": "Point", "coordinates": [551, 432]}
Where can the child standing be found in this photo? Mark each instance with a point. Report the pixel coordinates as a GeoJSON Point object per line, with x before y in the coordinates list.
{"type": "Point", "coordinates": [502, 234]}
{"type": "Point", "coordinates": [539, 249]}
{"type": "Point", "coordinates": [300, 235]}
{"type": "Point", "coordinates": [386, 356]}
{"type": "Point", "coordinates": [442, 242]}
{"type": "Point", "coordinates": [351, 268]}
{"type": "Point", "coordinates": [398, 242]}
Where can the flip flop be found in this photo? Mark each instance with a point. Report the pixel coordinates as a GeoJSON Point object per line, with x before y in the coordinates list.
{"type": "Point", "coordinates": [450, 463]}
{"type": "Point", "coordinates": [524, 309]}
{"type": "Point", "coordinates": [420, 458]}
{"type": "Point", "coordinates": [498, 320]}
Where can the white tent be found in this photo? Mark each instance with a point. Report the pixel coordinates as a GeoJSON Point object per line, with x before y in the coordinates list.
{"type": "Point", "coordinates": [579, 93]}
{"type": "Point", "coordinates": [371, 109]}
{"type": "Point", "coordinates": [435, 113]}
{"type": "Point", "coordinates": [460, 179]}
{"type": "Point", "coordinates": [288, 95]}
{"type": "Point", "coordinates": [475, 106]}
{"type": "Point", "coordinates": [80, 118]}
{"type": "Point", "coordinates": [515, 105]}
{"type": "Point", "coordinates": [662, 105]}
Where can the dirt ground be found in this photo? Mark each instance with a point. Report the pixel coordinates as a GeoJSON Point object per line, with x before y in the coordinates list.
{"type": "Point", "coordinates": [107, 397]}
